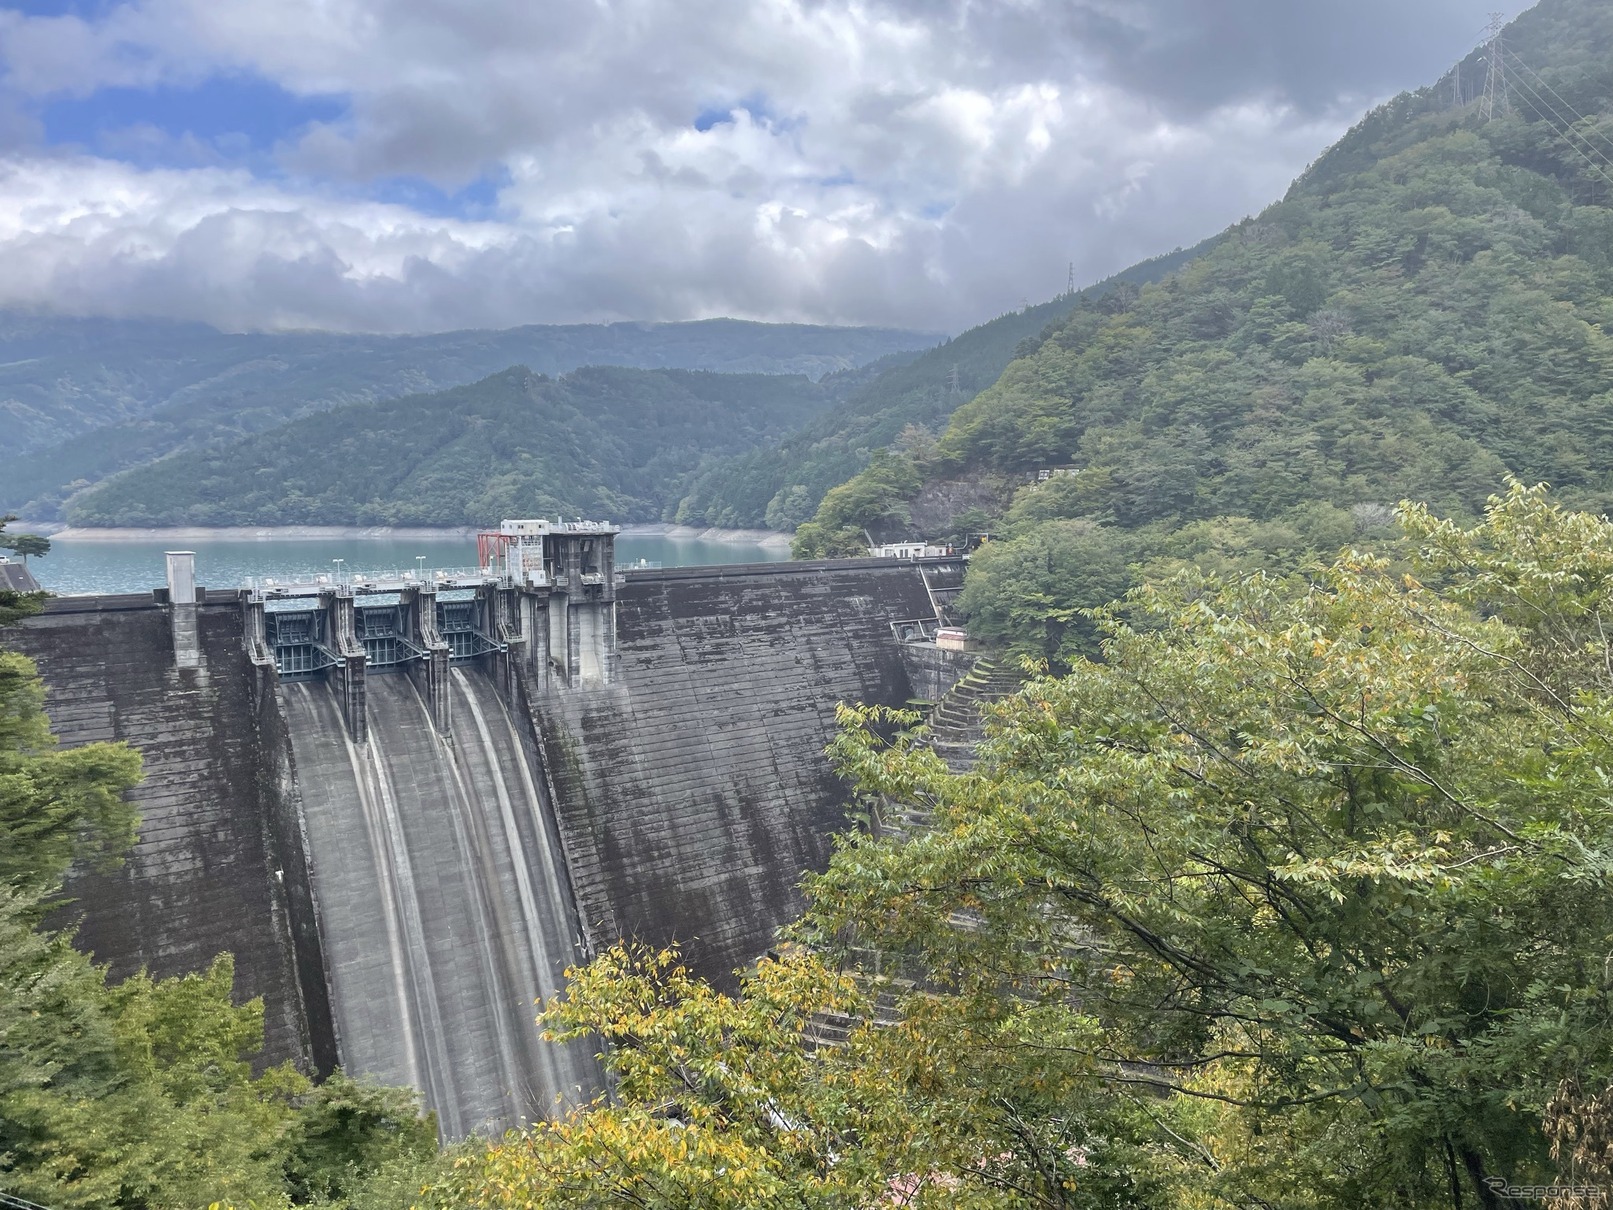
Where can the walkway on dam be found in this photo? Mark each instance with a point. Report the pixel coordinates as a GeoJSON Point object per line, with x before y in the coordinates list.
{"type": "Point", "coordinates": [444, 907]}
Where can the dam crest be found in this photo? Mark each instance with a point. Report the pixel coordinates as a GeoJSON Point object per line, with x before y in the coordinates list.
{"type": "Point", "coordinates": [408, 803]}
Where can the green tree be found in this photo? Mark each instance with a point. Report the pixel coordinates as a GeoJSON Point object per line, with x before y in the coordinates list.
{"type": "Point", "coordinates": [349, 1135]}
{"type": "Point", "coordinates": [1033, 590]}
{"type": "Point", "coordinates": [26, 545]}
{"type": "Point", "coordinates": [814, 541]}
{"type": "Point", "coordinates": [1324, 866]}
{"type": "Point", "coordinates": [788, 508]}
{"type": "Point", "coordinates": [878, 495]}
{"type": "Point", "coordinates": [55, 805]}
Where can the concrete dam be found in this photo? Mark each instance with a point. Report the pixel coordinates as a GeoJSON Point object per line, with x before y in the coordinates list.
{"type": "Point", "coordinates": [407, 805]}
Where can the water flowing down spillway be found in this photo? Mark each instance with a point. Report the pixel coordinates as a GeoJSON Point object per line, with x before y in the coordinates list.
{"type": "Point", "coordinates": [444, 910]}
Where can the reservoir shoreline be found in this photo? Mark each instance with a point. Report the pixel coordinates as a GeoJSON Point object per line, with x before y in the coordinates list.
{"type": "Point", "coordinates": [293, 533]}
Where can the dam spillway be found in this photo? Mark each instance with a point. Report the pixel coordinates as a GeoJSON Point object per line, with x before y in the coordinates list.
{"type": "Point", "coordinates": [398, 805]}
{"type": "Point", "coordinates": [442, 897]}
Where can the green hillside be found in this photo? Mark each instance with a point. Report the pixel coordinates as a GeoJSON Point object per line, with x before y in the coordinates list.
{"type": "Point", "coordinates": [779, 487]}
{"type": "Point", "coordinates": [1425, 312]}
{"type": "Point", "coordinates": [604, 442]}
{"type": "Point", "coordinates": [773, 475]}
{"type": "Point", "coordinates": [83, 399]}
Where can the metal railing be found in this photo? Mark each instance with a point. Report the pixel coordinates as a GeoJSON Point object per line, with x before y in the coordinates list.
{"type": "Point", "coordinates": [388, 580]}
{"type": "Point", "coordinates": [11, 1201]}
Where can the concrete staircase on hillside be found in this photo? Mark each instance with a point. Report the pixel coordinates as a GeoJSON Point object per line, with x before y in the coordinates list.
{"type": "Point", "coordinates": [832, 1029]}
{"type": "Point", "coordinates": [956, 725]}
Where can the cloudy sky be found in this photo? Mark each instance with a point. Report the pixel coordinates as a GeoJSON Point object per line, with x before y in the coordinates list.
{"type": "Point", "coordinates": [415, 165]}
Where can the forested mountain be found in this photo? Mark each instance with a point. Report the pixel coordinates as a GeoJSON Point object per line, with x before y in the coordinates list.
{"type": "Point", "coordinates": [773, 475]}
{"type": "Point", "coordinates": [1425, 312]}
{"type": "Point", "coordinates": [83, 399]}
{"type": "Point", "coordinates": [779, 487]}
{"type": "Point", "coordinates": [604, 442]}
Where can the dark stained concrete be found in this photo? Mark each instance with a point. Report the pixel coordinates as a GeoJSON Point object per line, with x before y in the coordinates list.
{"type": "Point", "coordinates": [694, 793]}
{"type": "Point", "coordinates": [208, 873]}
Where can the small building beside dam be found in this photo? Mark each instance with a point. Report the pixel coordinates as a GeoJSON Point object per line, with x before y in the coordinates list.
{"type": "Point", "coordinates": [407, 804]}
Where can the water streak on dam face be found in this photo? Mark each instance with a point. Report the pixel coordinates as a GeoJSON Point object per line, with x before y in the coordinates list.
{"type": "Point", "coordinates": [444, 908]}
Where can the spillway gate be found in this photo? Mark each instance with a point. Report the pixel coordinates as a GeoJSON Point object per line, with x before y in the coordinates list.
{"type": "Point", "coordinates": [298, 632]}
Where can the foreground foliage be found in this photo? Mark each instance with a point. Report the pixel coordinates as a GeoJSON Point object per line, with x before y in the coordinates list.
{"type": "Point", "coordinates": [1299, 897]}
{"type": "Point", "coordinates": [719, 1103]}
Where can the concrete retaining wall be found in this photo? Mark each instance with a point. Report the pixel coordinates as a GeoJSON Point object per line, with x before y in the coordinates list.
{"type": "Point", "coordinates": [933, 670]}
{"type": "Point", "coordinates": [690, 795]}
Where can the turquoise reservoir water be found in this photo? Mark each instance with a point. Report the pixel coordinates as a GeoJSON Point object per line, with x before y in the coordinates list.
{"type": "Point", "coordinates": [136, 564]}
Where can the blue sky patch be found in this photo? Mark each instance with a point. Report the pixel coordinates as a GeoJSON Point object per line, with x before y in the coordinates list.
{"type": "Point", "coordinates": [86, 9]}
{"type": "Point", "coordinates": [756, 104]}
{"type": "Point", "coordinates": [235, 115]}
{"type": "Point", "coordinates": [707, 118]}
{"type": "Point", "coordinates": [477, 200]}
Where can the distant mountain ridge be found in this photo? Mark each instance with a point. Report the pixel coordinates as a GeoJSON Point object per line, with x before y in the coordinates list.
{"type": "Point", "coordinates": [603, 441]}
{"type": "Point", "coordinates": [238, 439]}
{"type": "Point", "coordinates": [82, 399]}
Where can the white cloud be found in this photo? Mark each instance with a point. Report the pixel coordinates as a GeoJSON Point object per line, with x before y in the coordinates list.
{"type": "Point", "coordinates": [920, 163]}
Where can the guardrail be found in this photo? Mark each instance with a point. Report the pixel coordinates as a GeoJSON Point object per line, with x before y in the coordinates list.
{"type": "Point", "coordinates": [12, 1202]}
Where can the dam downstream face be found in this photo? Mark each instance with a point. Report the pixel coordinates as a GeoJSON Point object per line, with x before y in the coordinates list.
{"type": "Point", "coordinates": [444, 908]}
{"type": "Point", "coordinates": [690, 791]}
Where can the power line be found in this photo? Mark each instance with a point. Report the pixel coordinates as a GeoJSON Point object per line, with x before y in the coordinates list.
{"type": "Point", "coordinates": [1595, 158]}
{"type": "Point", "coordinates": [1546, 110]}
{"type": "Point", "coordinates": [1591, 161]}
{"type": "Point", "coordinates": [1577, 117]}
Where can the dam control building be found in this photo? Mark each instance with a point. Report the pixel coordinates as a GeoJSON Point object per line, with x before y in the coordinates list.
{"type": "Point", "coordinates": [406, 803]}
